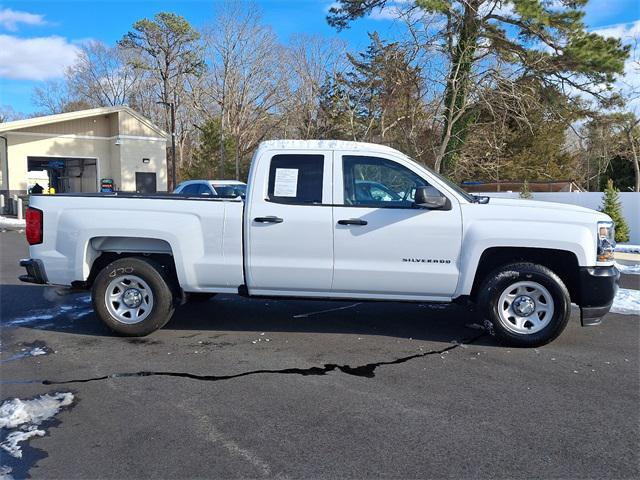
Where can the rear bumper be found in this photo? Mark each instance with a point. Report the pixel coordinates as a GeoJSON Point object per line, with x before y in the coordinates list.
{"type": "Point", "coordinates": [35, 271]}
{"type": "Point", "coordinates": [598, 287]}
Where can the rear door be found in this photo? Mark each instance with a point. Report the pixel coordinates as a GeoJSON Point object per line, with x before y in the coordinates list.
{"type": "Point", "coordinates": [289, 224]}
{"type": "Point", "coordinates": [385, 246]}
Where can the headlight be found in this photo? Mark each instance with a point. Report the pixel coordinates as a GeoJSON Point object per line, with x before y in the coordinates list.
{"type": "Point", "coordinates": [606, 241]}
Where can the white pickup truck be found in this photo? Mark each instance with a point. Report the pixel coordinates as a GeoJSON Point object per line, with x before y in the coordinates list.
{"type": "Point", "coordinates": [329, 219]}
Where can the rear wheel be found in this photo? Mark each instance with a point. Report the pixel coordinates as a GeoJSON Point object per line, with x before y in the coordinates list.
{"type": "Point", "coordinates": [527, 304]}
{"type": "Point", "coordinates": [132, 297]}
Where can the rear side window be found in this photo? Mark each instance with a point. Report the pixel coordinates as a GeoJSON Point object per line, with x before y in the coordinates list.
{"type": "Point", "coordinates": [296, 179]}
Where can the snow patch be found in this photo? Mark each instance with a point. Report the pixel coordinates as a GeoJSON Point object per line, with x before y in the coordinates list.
{"type": "Point", "coordinates": [34, 352]}
{"type": "Point", "coordinates": [26, 415]}
{"type": "Point", "coordinates": [16, 412]}
{"type": "Point", "coordinates": [627, 248]}
{"type": "Point", "coordinates": [626, 302]}
{"type": "Point", "coordinates": [628, 269]}
{"type": "Point", "coordinates": [13, 440]}
{"type": "Point", "coordinates": [5, 472]}
{"type": "Point", "coordinates": [74, 312]}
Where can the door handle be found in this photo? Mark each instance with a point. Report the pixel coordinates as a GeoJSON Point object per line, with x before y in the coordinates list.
{"type": "Point", "coordinates": [269, 219]}
{"type": "Point", "coordinates": [352, 221]}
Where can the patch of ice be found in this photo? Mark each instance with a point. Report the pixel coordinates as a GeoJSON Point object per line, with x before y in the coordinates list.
{"type": "Point", "coordinates": [627, 248]}
{"type": "Point", "coordinates": [73, 311]}
{"type": "Point", "coordinates": [27, 415]}
{"type": "Point", "coordinates": [16, 412]}
{"type": "Point", "coordinates": [626, 302]}
{"type": "Point", "coordinates": [12, 443]}
{"type": "Point", "coordinates": [5, 472]}
{"type": "Point", "coordinates": [34, 352]}
{"type": "Point", "coordinates": [33, 318]}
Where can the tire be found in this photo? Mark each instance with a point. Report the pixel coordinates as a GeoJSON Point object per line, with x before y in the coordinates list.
{"type": "Point", "coordinates": [508, 295]}
{"type": "Point", "coordinates": [149, 296]}
{"type": "Point", "coordinates": [199, 297]}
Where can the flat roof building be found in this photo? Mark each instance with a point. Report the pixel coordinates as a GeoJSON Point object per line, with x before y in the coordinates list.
{"type": "Point", "coordinates": [84, 151]}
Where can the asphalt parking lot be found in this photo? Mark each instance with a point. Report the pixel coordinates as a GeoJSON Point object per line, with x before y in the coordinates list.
{"type": "Point", "coordinates": [238, 388]}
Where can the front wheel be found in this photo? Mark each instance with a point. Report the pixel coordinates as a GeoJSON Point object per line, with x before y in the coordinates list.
{"type": "Point", "coordinates": [132, 297]}
{"type": "Point", "coordinates": [527, 304]}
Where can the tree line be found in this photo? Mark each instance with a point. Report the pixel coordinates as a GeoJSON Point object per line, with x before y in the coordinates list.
{"type": "Point", "coordinates": [477, 89]}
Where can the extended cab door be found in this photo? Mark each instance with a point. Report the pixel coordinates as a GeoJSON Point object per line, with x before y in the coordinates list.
{"type": "Point", "coordinates": [384, 245]}
{"type": "Point", "coordinates": [289, 224]}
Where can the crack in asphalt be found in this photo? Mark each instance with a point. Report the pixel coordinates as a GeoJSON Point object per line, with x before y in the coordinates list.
{"type": "Point", "coordinates": [366, 370]}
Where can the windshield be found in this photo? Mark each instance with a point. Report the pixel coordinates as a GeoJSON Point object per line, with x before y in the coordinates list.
{"type": "Point", "coordinates": [231, 191]}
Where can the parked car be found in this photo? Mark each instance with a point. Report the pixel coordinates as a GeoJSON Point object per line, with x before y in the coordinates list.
{"type": "Point", "coordinates": [307, 231]}
{"type": "Point", "coordinates": [215, 188]}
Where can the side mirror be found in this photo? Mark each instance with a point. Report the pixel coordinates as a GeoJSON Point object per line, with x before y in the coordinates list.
{"type": "Point", "coordinates": [429, 197]}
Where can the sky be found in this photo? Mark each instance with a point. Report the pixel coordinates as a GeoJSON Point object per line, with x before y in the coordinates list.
{"type": "Point", "coordinates": [39, 38]}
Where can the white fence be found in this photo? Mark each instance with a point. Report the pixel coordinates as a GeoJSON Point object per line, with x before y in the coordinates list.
{"type": "Point", "coordinates": [630, 204]}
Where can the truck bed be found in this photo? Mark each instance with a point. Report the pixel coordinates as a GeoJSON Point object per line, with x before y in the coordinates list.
{"type": "Point", "coordinates": [204, 235]}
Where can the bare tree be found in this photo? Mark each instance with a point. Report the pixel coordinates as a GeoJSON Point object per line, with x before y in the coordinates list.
{"type": "Point", "coordinates": [53, 97]}
{"type": "Point", "coordinates": [8, 114]}
{"type": "Point", "coordinates": [245, 86]}
{"type": "Point", "coordinates": [103, 75]}
{"type": "Point", "coordinates": [311, 62]}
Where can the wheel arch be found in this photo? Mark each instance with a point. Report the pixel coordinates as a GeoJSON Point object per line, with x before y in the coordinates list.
{"type": "Point", "coordinates": [563, 263]}
{"type": "Point", "coordinates": [102, 250]}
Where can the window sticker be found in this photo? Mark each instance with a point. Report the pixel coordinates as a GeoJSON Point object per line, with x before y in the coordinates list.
{"type": "Point", "coordinates": [286, 184]}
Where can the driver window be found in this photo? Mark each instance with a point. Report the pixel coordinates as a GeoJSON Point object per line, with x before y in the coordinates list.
{"type": "Point", "coordinates": [378, 182]}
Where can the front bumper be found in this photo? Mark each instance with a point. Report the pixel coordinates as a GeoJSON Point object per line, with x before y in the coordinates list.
{"type": "Point", "coordinates": [598, 287]}
{"type": "Point", "coordinates": [35, 271]}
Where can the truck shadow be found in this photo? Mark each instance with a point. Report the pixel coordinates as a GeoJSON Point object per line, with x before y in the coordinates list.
{"type": "Point", "coordinates": [441, 323]}
{"type": "Point", "coordinates": [40, 308]}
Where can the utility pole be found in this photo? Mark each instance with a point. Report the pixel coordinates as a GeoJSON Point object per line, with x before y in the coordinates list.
{"type": "Point", "coordinates": [172, 108]}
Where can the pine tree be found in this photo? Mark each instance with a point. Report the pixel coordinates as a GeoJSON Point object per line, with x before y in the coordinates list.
{"type": "Point", "coordinates": [611, 206]}
{"type": "Point", "coordinates": [525, 192]}
{"type": "Point", "coordinates": [548, 40]}
{"type": "Point", "coordinates": [207, 161]}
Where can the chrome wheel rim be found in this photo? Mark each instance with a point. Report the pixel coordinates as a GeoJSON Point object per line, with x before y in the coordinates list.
{"type": "Point", "coordinates": [129, 299]}
{"type": "Point", "coordinates": [525, 308]}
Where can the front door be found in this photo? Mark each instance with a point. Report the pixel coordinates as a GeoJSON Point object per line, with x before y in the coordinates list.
{"type": "Point", "coordinates": [289, 225]}
{"type": "Point", "coordinates": [384, 245]}
{"type": "Point", "coordinates": [145, 182]}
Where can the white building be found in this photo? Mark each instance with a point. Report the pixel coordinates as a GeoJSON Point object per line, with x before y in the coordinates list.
{"type": "Point", "coordinates": [83, 151]}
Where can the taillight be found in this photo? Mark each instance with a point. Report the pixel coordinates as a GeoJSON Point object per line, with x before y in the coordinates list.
{"type": "Point", "coordinates": [33, 220]}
